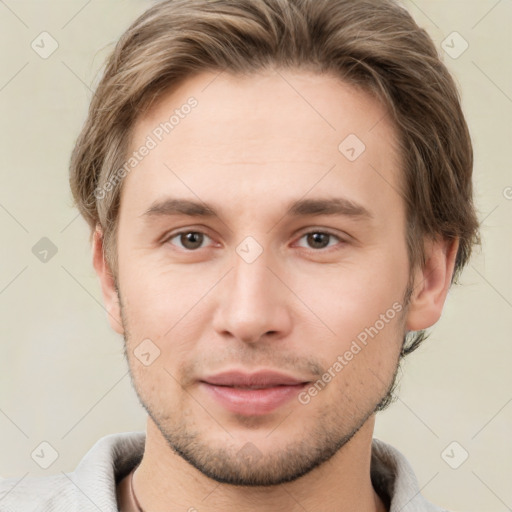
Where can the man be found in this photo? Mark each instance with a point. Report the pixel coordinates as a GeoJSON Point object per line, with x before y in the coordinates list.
{"type": "Point", "coordinates": [279, 194]}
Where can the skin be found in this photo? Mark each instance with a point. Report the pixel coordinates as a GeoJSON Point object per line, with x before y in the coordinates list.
{"type": "Point", "coordinates": [252, 146]}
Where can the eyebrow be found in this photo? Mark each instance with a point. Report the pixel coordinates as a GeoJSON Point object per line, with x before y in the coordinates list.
{"type": "Point", "coordinates": [338, 206]}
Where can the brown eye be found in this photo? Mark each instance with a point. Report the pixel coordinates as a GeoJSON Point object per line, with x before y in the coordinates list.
{"type": "Point", "coordinates": [319, 239]}
{"type": "Point", "coordinates": [189, 240]}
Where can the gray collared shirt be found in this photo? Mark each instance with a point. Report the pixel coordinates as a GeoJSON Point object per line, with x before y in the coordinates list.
{"type": "Point", "coordinates": [92, 486]}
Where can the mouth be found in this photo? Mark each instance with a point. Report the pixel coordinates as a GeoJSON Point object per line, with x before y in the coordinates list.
{"type": "Point", "coordinates": [252, 394]}
{"type": "Point", "coordinates": [259, 380]}
{"type": "Point", "coordinates": [252, 387]}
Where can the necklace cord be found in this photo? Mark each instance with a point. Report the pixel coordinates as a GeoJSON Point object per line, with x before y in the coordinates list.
{"type": "Point", "coordinates": [132, 492]}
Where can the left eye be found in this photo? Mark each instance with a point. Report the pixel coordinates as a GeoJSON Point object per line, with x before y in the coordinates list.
{"type": "Point", "coordinates": [319, 239]}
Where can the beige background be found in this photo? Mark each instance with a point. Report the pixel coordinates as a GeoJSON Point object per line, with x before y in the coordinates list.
{"type": "Point", "coordinates": [63, 378]}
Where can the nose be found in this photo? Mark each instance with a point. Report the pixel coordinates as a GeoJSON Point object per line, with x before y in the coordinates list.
{"type": "Point", "coordinates": [253, 302]}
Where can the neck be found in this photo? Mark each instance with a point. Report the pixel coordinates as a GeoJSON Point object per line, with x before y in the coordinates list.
{"type": "Point", "coordinates": [164, 481]}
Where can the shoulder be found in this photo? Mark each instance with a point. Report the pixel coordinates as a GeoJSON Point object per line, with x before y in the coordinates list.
{"type": "Point", "coordinates": [90, 486]}
{"type": "Point", "coordinates": [37, 494]}
{"type": "Point", "coordinates": [393, 475]}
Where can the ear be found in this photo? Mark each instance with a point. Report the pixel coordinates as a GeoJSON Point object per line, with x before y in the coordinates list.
{"type": "Point", "coordinates": [108, 288]}
{"type": "Point", "coordinates": [431, 283]}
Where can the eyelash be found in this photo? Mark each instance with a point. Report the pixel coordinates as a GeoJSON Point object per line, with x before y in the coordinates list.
{"type": "Point", "coordinates": [315, 231]}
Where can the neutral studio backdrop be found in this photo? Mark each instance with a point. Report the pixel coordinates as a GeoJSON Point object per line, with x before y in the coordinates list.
{"type": "Point", "coordinates": [63, 379]}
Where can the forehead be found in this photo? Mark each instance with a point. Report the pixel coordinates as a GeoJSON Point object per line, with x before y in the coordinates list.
{"type": "Point", "coordinates": [251, 134]}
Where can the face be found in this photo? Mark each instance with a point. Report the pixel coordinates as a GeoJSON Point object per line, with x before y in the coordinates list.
{"type": "Point", "coordinates": [254, 236]}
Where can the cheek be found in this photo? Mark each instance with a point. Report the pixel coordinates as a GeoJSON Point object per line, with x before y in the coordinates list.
{"type": "Point", "coordinates": [169, 307]}
{"type": "Point", "coordinates": [361, 310]}
{"type": "Point", "coordinates": [349, 298]}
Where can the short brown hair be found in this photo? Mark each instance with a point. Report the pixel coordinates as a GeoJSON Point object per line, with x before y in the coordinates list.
{"type": "Point", "coordinates": [372, 44]}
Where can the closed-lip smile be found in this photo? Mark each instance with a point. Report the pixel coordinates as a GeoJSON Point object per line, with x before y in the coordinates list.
{"type": "Point", "coordinates": [252, 394]}
{"type": "Point", "coordinates": [260, 379]}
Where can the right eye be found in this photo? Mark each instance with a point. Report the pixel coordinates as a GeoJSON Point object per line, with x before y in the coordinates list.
{"type": "Point", "coordinates": [190, 240]}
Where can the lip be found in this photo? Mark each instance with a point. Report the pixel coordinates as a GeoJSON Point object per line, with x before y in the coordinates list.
{"type": "Point", "coordinates": [263, 379]}
{"type": "Point", "coordinates": [252, 394]}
